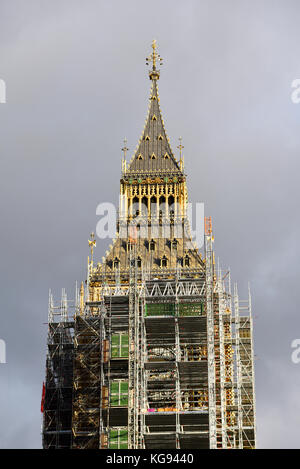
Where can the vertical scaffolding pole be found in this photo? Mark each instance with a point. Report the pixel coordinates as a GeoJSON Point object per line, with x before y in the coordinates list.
{"type": "Point", "coordinates": [210, 335]}
{"type": "Point", "coordinates": [50, 308]}
{"type": "Point", "coordinates": [238, 366]}
{"type": "Point", "coordinates": [133, 397]}
{"type": "Point", "coordinates": [102, 313]}
{"type": "Point", "coordinates": [138, 362]}
{"type": "Point", "coordinates": [222, 307]}
{"type": "Point", "coordinates": [143, 396]}
{"type": "Point", "coordinates": [252, 361]}
{"type": "Point", "coordinates": [177, 357]}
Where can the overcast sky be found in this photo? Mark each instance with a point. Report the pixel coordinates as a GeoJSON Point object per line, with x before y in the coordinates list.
{"type": "Point", "coordinates": [76, 85]}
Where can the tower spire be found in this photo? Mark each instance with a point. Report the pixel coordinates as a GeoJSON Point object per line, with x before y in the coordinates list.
{"type": "Point", "coordinates": [155, 59]}
{"type": "Point", "coordinates": [153, 153]}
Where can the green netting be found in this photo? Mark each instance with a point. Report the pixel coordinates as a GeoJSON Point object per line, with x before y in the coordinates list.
{"type": "Point", "coordinates": [114, 400]}
{"type": "Point", "coordinates": [119, 346]}
{"type": "Point", "coordinates": [124, 339]}
{"type": "Point", "coordinates": [113, 435]}
{"type": "Point", "coordinates": [124, 387]}
{"type": "Point", "coordinates": [123, 439]}
{"type": "Point", "coordinates": [124, 351]}
{"type": "Point", "coordinates": [124, 345]}
{"type": "Point", "coordinates": [114, 388]}
{"type": "Point", "coordinates": [160, 309]}
{"type": "Point", "coordinates": [168, 309]}
{"type": "Point", "coordinates": [190, 309]}
{"type": "Point", "coordinates": [115, 338]}
{"type": "Point", "coordinates": [119, 394]}
{"type": "Point", "coordinates": [123, 401]}
{"type": "Point", "coordinates": [118, 439]}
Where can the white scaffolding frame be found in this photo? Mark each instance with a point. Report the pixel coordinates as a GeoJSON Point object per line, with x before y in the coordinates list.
{"type": "Point", "coordinates": [210, 339]}
{"type": "Point", "coordinates": [245, 371]}
{"type": "Point", "coordinates": [222, 309]}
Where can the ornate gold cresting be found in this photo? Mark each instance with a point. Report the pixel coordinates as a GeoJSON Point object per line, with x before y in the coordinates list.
{"type": "Point", "coordinates": [154, 58]}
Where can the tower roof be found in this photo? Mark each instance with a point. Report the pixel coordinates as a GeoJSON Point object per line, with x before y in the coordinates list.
{"type": "Point", "coordinates": [154, 153]}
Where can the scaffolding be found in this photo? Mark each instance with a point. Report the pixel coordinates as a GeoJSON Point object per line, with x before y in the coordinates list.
{"type": "Point", "coordinates": [175, 382]}
{"type": "Point", "coordinates": [57, 415]}
{"type": "Point", "coordinates": [88, 358]}
{"type": "Point", "coordinates": [152, 363]}
{"type": "Point", "coordinates": [245, 370]}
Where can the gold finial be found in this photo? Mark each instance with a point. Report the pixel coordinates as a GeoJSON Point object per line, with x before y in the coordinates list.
{"type": "Point", "coordinates": [180, 146]}
{"type": "Point", "coordinates": [154, 55]}
{"type": "Point", "coordinates": [92, 244]}
{"type": "Point", "coordinates": [125, 149]}
{"type": "Point", "coordinates": [155, 58]}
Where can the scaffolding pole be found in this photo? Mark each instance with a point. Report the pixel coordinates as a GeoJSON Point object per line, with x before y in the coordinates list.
{"type": "Point", "coordinates": [133, 337]}
{"type": "Point", "coordinates": [210, 334]}
{"type": "Point", "coordinates": [252, 361]}
{"type": "Point", "coordinates": [222, 308]}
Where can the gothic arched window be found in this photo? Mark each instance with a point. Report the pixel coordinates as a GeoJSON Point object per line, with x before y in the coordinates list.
{"type": "Point", "coordinates": [152, 245]}
{"type": "Point", "coordinates": [186, 261]}
{"type": "Point", "coordinates": [174, 244]}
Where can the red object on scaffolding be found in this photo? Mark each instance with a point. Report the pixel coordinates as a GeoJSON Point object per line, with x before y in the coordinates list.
{"type": "Point", "coordinates": [43, 398]}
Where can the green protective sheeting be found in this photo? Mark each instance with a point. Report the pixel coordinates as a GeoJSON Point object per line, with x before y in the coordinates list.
{"type": "Point", "coordinates": [169, 309]}
{"type": "Point", "coordinates": [118, 439]}
{"type": "Point", "coordinates": [160, 309]}
{"type": "Point", "coordinates": [119, 346]}
{"type": "Point", "coordinates": [119, 394]}
{"type": "Point", "coordinates": [190, 309]}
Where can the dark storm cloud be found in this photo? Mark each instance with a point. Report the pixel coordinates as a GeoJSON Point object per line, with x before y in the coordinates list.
{"type": "Point", "coordinates": [76, 84]}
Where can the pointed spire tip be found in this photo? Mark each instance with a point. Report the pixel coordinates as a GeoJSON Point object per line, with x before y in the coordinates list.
{"type": "Point", "coordinates": [155, 59]}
